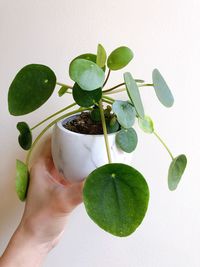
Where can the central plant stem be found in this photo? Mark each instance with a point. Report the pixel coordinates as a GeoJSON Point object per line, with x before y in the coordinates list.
{"type": "Point", "coordinates": [105, 131]}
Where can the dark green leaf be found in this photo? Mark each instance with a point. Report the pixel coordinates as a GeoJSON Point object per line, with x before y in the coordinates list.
{"type": "Point", "coordinates": [101, 56]}
{"type": "Point", "coordinates": [25, 137]}
{"type": "Point", "coordinates": [125, 113]}
{"type": "Point", "coordinates": [162, 90]}
{"type": "Point", "coordinates": [127, 139]}
{"type": "Point", "coordinates": [22, 180]}
{"type": "Point", "coordinates": [146, 124]}
{"type": "Point", "coordinates": [87, 74]}
{"type": "Point", "coordinates": [95, 115]}
{"type": "Point", "coordinates": [116, 198]}
{"type": "Point", "coordinates": [176, 170]}
{"type": "Point", "coordinates": [107, 111]}
{"type": "Point", "coordinates": [133, 93]}
{"type": "Point", "coordinates": [119, 58]}
{"type": "Point", "coordinates": [86, 98]}
{"type": "Point", "coordinates": [112, 125]}
{"type": "Point", "coordinates": [31, 88]}
{"type": "Point", "coordinates": [63, 90]}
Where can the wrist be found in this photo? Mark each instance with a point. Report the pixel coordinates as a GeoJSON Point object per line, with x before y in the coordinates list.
{"type": "Point", "coordinates": [24, 250]}
{"type": "Point", "coordinates": [25, 234]}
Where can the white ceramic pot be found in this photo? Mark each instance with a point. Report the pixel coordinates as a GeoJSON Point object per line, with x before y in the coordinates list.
{"type": "Point", "coordinates": [77, 155]}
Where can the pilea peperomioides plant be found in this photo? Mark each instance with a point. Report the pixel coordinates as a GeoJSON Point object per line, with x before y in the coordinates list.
{"type": "Point", "coordinates": [115, 195]}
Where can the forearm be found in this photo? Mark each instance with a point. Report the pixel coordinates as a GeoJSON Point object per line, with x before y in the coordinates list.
{"type": "Point", "coordinates": [24, 250]}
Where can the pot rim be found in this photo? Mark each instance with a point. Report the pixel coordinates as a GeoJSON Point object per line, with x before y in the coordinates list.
{"type": "Point", "coordinates": [61, 127]}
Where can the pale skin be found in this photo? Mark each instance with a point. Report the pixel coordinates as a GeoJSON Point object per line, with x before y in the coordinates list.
{"type": "Point", "coordinates": [49, 202]}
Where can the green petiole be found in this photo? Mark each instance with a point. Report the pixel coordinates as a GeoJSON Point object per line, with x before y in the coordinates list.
{"type": "Point", "coordinates": [66, 85]}
{"type": "Point", "coordinates": [163, 143]}
{"type": "Point", "coordinates": [105, 131]}
{"type": "Point", "coordinates": [48, 126]}
{"type": "Point", "coordinates": [53, 115]}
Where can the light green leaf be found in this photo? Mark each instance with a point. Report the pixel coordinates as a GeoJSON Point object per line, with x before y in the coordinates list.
{"type": "Point", "coordinates": [125, 113]}
{"type": "Point", "coordinates": [133, 93]}
{"type": "Point", "coordinates": [63, 90]}
{"type": "Point", "coordinates": [86, 98]}
{"type": "Point", "coordinates": [101, 56]}
{"type": "Point", "coordinates": [176, 170]}
{"type": "Point", "coordinates": [90, 57]}
{"type": "Point", "coordinates": [87, 74]}
{"type": "Point", "coordinates": [127, 140]}
{"type": "Point", "coordinates": [139, 81]}
{"type": "Point", "coordinates": [116, 198]}
{"type": "Point", "coordinates": [146, 124]}
{"type": "Point", "coordinates": [31, 88]}
{"type": "Point", "coordinates": [25, 137]}
{"type": "Point", "coordinates": [119, 58]}
{"type": "Point", "coordinates": [22, 180]}
{"type": "Point", "coordinates": [162, 90]}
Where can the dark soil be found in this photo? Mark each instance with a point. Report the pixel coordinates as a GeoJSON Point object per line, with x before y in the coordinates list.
{"type": "Point", "coordinates": [84, 124]}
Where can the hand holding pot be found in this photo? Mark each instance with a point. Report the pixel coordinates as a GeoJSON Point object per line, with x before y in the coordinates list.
{"type": "Point", "coordinates": [50, 199]}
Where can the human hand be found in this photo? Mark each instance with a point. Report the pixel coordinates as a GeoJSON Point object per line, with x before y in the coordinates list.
{"type": "Point", "coordinates": [50, 200]}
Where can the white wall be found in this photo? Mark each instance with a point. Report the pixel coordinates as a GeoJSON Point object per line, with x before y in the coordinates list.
{"type": "Point", "coordinates": [163, 34]}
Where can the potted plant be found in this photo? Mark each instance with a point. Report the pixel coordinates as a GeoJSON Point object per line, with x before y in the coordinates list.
{"type": "Point", "coordinates": [94, 141]}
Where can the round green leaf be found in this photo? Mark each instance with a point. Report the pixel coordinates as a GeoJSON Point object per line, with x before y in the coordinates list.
{"type": "Point", "coordinates": [176, 170]}
{"type": "Point", "coordinates": [22, 180]}
{"type": "Point", "coordinates": [95, 115]}
{"type": "Point", "coordinates": [127, 139]}
{"type": "Point", "coordinates": [101, 56]}
{"type": "Point", "coordinates": [125, 113]}
{"type": "Point", "coordinates": [133, 93]}
{"type": "Point", "coordinates": [162, 90]}
{"type": "Point", "coordinates": [119, 58]}
{"type": "Point", "coordinates": [116, 198]}
{"type": "Point", "coordinates": [112, 125]}
{"type": "Point", "coordinates": [87, 74]}
{"type": "Point", "coordinates": [146, 124]}
{"type": "Point", "coordinates": [31, 88]}
{"type": "Point", "coordinates": [86, 98]}
{"type": "Point", "coordinates": [88, 56]}
{"type": "Point", "coordinates": [25, 137]}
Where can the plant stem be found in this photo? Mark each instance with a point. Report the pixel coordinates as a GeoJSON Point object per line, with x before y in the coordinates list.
{"type": "Point", "coordinates": [145, 84]}
{"type": "Point", "coordinates": [105, 131]}
{"type": "Point", "coordinates": [66, 85]}
{"type": "Point", "coordinates": [163, 143]}
{"type": "Point", "coordinates": [115, 91]}
{"type": "Point", "coordinates": [107, 78]}
{"type": "Point", "coordinates": [68, 107]}
{"type": "Point", "coordinates": [110, 91]}
{"type": "Point", "coordinates": [112, 88]}
{"type": "Point", "coordinates": [47, 127]}
{"type": "Point", "coordinates": [109, 98]}
{"type": "Point", "coordinates": [107, 101]}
